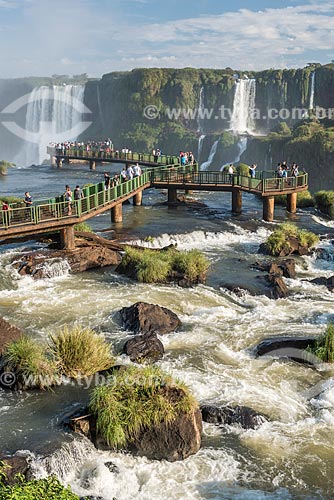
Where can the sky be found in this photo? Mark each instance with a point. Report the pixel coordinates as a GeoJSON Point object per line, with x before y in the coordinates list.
{"type": "Point", "coordinates": [46, 37]}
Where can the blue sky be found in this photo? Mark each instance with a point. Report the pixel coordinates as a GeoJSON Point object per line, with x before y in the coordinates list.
{"type": "Point", "coordinates": [43, 37]}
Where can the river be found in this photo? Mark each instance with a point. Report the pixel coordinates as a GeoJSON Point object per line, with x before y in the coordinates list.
{"type": "Point", "coordinates": [288, 457]}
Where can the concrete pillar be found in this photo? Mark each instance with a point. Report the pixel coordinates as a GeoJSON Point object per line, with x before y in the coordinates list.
{"type": "Point", "coordinates": [291, 203]}
{"type": "Point", "coordinates": [53, 161]}
{"type": "Point", "coordinates": [58, 161]}
{"type": "Point", "coordinates": [137, 199]}
{"type": "Point", "coordinates": [172, 195]}
{"type": "Point", "coordinates": [67, 238]}
{"type": "Point", "coordinates": [117, 213]}
{"type": "Point", "coordinates": [236, 201]}
{"type": "Point", "coordinates": [92, 165]}
{"type": "Point", "coordinates": [268, 208]}
{"type": "Point", "coordinates": [188, 192]}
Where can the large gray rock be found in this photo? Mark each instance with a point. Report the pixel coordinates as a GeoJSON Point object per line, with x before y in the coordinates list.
{"type": "Point", "coordinates": [147, 318]}
{"type": "Point", "coordinates": [144, 348]}
{"type": "Point", "coordinates": [244, 416]}
{"type": "Point", "coordinates": [16, 465]}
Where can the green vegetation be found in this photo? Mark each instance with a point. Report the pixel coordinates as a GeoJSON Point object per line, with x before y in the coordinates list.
{"type": "Point", "coordinates": [325, 202]}
{"type": "Point", "coordinates": [138, 398]}
{"type": "Point", "coordinates": [83, 227]}
{"type": "Point", "coordinates": [243, 169]}
{"type": "Point", "coordinates": [12, 200]}
{"type": "Point", "coordinates": [80, 351]}
{"type": "Point", "coordinates": [30, 363]}
{"type": "Point", "coordinates": [4, 165]}
{"type": "Point", "coordinates": [278, 241]}
{"type": "Point", "coordinates": [324, 347]}
{"type": "Point", "coordinates": [37, 489]}
{"type": "Point", "coordinates": [152, 266]}
{"type": "Point", "coordinates": [304, 199]}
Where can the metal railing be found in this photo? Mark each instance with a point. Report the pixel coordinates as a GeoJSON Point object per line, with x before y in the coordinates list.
{"type": "Point", "coordinates": [96, 154]}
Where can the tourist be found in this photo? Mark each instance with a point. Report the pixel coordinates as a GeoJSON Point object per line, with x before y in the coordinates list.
{"type": "Point", "coordinates": [231, 172]}
{"type": "Point", "coordinates": [27, 199]}
{"type": "Point", "coordinates": [106, 181]}
{"type": "Point", "coordinates": [78, 194]}
{"type": "Point", "coordinates": [68, 199]}
{"type": "Point", "coordinates": [5, 208]}
{"type": "Point", "coordinates": [252, 169]}
{"type": "Point", "coordinates": [123, 174]}
{"type": "Point", "coordinates": [129, 173]}
{"type": "Point", "coordinates": [136, 170]}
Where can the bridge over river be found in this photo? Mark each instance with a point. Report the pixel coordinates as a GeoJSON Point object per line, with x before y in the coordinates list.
{"type": "Point", "coordinates": [53, 215]}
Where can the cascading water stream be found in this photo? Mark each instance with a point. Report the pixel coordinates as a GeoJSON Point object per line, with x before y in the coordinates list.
{"type": "Point", "coordinates": [200, 116]}
{"type": "Point", "coordinates": [213, 151]}
{"type": "Point", "coordinates": [242, 120]}
{"type": "Point", "coordinates": [51, 113]}
{"type": "Point", "coordinates": [242, 146]}
{"type": "Point", "coordinates": [312, 76]}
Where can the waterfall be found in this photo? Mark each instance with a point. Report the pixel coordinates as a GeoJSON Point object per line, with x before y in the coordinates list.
{"type": "Point", "coordinates": [53, 114]}
{"type": "Point", "coordinates": [312, 76]}
{"type": "Point", "coordinates": [242, 146]}
{"type": "Point", "coordinates": [200, 146]}
{"type": "Point", "coordinates": [213, 150]}
{"type": "Point", "coordinates": [200, 113]}
{"type": "Point", "coordinates": [242, 119]}
{"type": "Point", "coordinates": [54, 267]}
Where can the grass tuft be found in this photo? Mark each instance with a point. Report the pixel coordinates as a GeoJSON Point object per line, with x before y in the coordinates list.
{"type": "Point", "coordinates": [137, 399]}
{"type": "Point", "coordinates": [152, 266]}
{"type": "Point", "coordinates": [324, 347]}
{"type": "Point", "coordinates": [30, 363]}
{"type": "Point", "coordinates": [84, 227]}
{"type": "Point", "coordinates": [278, 241]}
{"type": "Point", "coordinates": [80, 352]}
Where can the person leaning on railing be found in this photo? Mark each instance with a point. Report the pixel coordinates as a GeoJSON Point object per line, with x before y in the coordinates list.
{"type": "Point", "coordinates": [6, 213]}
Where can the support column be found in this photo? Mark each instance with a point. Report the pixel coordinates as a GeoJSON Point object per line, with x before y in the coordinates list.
{"type": "Point", "coordinates": [117, 213]}
{"type": "Point", "coordinates": [188, 192]}
{"type": "Point", "coordinates": [268, 208]}
{"type": "Point", "coordinates": [53, 161]}
{"type": "Point", "coordinates": [172, 195]}
{"type": "Point", "coordinates": [236, 201]}
{"type": "Point", "coordinates": [291, 203]}
{"type": "Point", "coordinates": [67, 241]}
{"type": "Point", "coordinates": [92, 165]}
{"type": "Point", "coordinates": [58, 161]}
{"type": "Point", "coordinates": [137, 199]}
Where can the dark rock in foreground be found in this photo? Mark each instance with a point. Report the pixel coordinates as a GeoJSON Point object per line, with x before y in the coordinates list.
{"type": "Point", "coordinates": [244, 416]}
{"type": "Point", "coordinates": [144, 348]}
{"type": "Point", "coordinates": [147, 318]}
{"type": "Point", "coordinates": [8, 334]}
{"type": "Point", "coordinates": [16, 465]}
{"type": "Point", "coordinates": [292, 246]}
{"type": "Point", "coordinates": [294, 348]}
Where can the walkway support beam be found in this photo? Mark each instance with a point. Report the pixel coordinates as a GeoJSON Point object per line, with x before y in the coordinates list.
{"type": "Point", "coordinates": [137, 199]}
{"type": "Point", "coordinates": [236, 201]}
{"type": "Point", "coordinates": [291, 203]}
{"type": "Point", "coordinates": [172, 195]}
{"type": "Point", "coordinates": [92, 165]}
{"type": "Point", "coordinates": [117, 213]}
{"type": "Point", "coordinates": [268, 208]}
{"type": "Point", "coordinates": [67, 241]}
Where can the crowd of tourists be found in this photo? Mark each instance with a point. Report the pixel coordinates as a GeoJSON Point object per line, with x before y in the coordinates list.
{"type": "Point", "coordinates": [186, 158]}
{"type": "Point", "coordinates": [284, 171]}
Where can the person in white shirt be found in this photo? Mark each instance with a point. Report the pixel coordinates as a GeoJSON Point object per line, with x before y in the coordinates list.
{"type": "Point", "coordinates": [129, 173]}
{"type": "Point", "coordinates": [136, 170]}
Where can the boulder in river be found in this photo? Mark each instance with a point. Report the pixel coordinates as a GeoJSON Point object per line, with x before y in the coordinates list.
{"type": "Point", "coordinates": [16, 465]}
{"type": "Point", "coordinates": [295, 348]}
{"type": "Point", "coordinates": [328, 282]}
{"type": "Point", "coordinates": [144, 318]}
{"type": "Point", "coordinates": [144, 348]}
{"type": "Point", "coordinates": [244, 416]}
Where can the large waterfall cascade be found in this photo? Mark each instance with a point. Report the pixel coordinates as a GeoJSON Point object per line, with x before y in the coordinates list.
{"type": "Point", "coordinates": [242, 119]}
{"type": "Point", "coordinates": [242, 146]}
{"type": "Point", "coordinates": [52, 114]}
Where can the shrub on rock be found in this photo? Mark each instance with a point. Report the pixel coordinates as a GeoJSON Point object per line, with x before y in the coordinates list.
{"type": "Point", "coordinates": [29, 365]}
{"type": "Point", "coordinates": [80, 352]}
{"type": "Point", "coordinates": [145, 411]}
{"type": "Point", "coordinates": [288, 239]}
